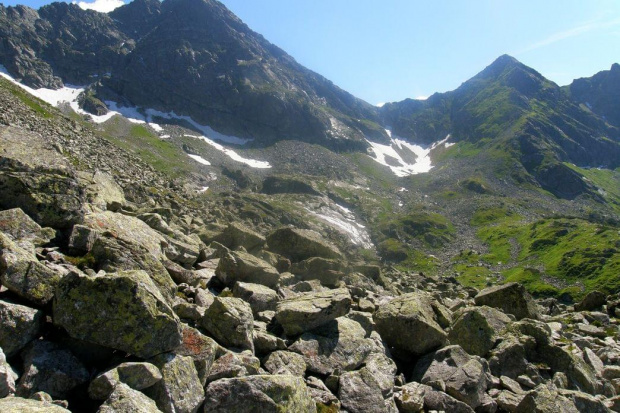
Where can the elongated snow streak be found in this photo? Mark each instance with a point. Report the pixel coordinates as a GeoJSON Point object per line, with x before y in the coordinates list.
{"type": "Point", "coordinates": [232, 154]}
{"type": "Point", "coordinates": [345, 222]}
{"type": "Point", "coordinates": [422, 163]}
{"type": "Point", "coordinates": [199, 159]}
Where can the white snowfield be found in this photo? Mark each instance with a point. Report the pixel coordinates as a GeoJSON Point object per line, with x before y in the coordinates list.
{"type": "Point", "coordinates": [199, 159]}
{"type": "Point", "coordinates": [69, 94]}
{"type": "Point", "coordinates": [344, 221]}
{"type": "Point", "coordinates": [394, 153]}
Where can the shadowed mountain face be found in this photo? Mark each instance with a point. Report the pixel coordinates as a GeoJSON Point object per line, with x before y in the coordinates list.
{"type": "Point", "coordinates": [193, 57]}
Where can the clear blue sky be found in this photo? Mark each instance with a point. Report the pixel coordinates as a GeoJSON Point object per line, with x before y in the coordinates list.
{"type": "Point", "coordinates": [389, 50]}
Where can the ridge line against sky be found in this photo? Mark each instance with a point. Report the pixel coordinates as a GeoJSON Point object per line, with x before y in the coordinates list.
{"type": "Point", "coordinates": [396, 49]}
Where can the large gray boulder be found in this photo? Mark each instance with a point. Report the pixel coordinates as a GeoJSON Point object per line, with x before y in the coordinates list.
{"type": "Point", "coordinates": [413, 397]}
{"type": "Point", "coordinates": [238, 235]}
{"type": "Point", "coordinates": [50, 368]}
{"type": "Point", "coordinates": [544, 399]}
{"type": "Point", "coordinates": [202, 349]}
{"type": "Point", "coordinates": [359, 392]}
{"type": "Point", "coordinates": [511, 298]}
{"type": "Point", "coordinates": [409, 323]}
{"type": "Point", "coordinates": [20, 227]}
{"type": "Point", "coordinates": [261, 393]}
{"type": "Point", "coordinates": [477, 329]}
{"type": "Point", "coordinates": [259, 297]}
{"type": "Point", "coordinates": [24, 275]}
{"type": "Point", "coordinates": [342, 345]}
{"type": "Point", "coordinates": [300, 244]}
{"type": "Point", "coordinates": [44, 186]}
{"type": "Point", "coordinates": [230, 321]}
{"type": "Point", "coordinates": [8, 376]}
{"type": "Point", "coordinates": [180, 389]}
{"type": "Point", "coordinates": [124, 399]}
{"type": "Point", "coordinates": [137, 375]}
{"type": "Point", "coordinates": [123, 311]}
{"type": "Point", "coordinates": [19, 325]}
{"type": "Point", "coordinates": [241, 266]}
{"type": "Point", "coordinates": [465, 377]}
{"type": "Point", "coordinates": [308, 311]}
{"type": "Point", "coordinates": [21, 405]}
{"type": "Point", "coordinates": [285, 362]}
{"type": "Point", "coordinates": [327, 271]}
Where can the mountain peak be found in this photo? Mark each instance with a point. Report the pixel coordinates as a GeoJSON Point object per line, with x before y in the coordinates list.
{"type": "Point", "coordinates": [499, 66]}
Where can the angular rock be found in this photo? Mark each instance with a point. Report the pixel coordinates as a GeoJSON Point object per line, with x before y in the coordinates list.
{"type": "Point", "coordinates": [300, 244]}
{"type": "Point", "coordinates": [509, 401]}
{"type": "Point", "coordinates": [477, 329]}
{"type": "Point", "coordinates": [137, 375]}
{"type": "Point", "coordinates": [465, 377]}
{"type": "Point", "coordinates": [408, 323]}
{"type": "Point", "coordinates": [119, 311]}
{"type": "Point", "coordinates": [360, 392]}
{"type": "Point", "coordinates": [308, 311]}
{"type": "Point", "coordinates": [180, 389]}
{"type": "Point", "coordinates": [124, 399]}
{"type": "Point", "coordinates": [20, 227]}
{"type": "Point", "coordinates": [265, 342]}
{"type": "Point", "coordinates": [285, 362]}
{"type": "Point", "coordinates": [259, 297]}
{"type": "Point", "coordinates": [341, 345]}
{"type": "Point", "coordinates": [591, 302]}
{"type": "Point", "coordinates": [411, 393]}
{"type": "Point", "coordinates": [24, 275]}
{"type": "Point", "coordinates": [383, 369]}
{"type": "Point", "coordinates": [327, 271]}
{"type": "Point", "coordinates": [234, 365]}
{"type": "Point", "coordinates": [511, 298]}
{"type": "Point", "coordinates": [21, 405]}
{"type": "Point", "coordinates": [82, 239]}
{"type": "Point", "coordinates": [231, 323]}
{"type": "Point", "coordinates": [325, 400]}
{"type": "Point", "coordinates": [265, 394]}
{"type": "Point", "coordinates": [18, 326]}
{"type": "Point", "coordinates": [237, 235]}
{"type": "Point", "coordinates": [202, 349]}
{"type": "Point", "coordinates": [44, 186]}
{"type": "Point", "coordinates": [241, 266]}
{"type": "Point", "coordinates": [101, 189]}
{"type": "Point", "coordinates": [545, 400]}
{"type": "Point", "coordinates": [50, 368]}
{"type": "Point", "coordinates": [8, 376]}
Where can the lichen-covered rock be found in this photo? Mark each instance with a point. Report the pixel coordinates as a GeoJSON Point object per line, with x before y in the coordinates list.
{"type": "Point", "coordinates": [408, 323]}
{"type": "Point", "coordinates": [238, 235]}
{"type": "Point", "coordinates": [511, 298]}
{"type": "Point", "coordinates": [265, 394]}
{"type": "Point", "coordinates": [259, 297]}
{"type": "Point", "coordinates": [20, 227]}
{"type": "Point", "coordinates": [592, 301]}
{"type": "Point", "coordinates": [477, 329]}
{"type": "Point", "coordinates": [8, 376]}
{"type": "Point", "coordinates": [327, 271]}
{"type": "Point", "coordinates": [21, 405]}
{"type": "Point", "coordinates": [285, 362]}
{"type": "Point", "coordinates": [410, 395]}
{"type": "Point", "coordinates": [231, 323]}
{"type": "Point", "coordinates": [341, 344]}
{"type": "Point", "coordinates": [546, 400]}
{"type": "Point", "coordinates": [360, 392]}
{"type": "Point", "coordinates": [137, 375]}
{"type": "Point", "coordinates": [50, 368]}
{"type": "Point", "coordinates": [232, 365]}
{"type": "Point", "coordinates": [124, 399]}
{"type": "Point", "coordinates": [202, 349]}
{"type": "Point", "coordinates": [101, 189]}
{"type": "Point", "coordinates": [241, 266]}
{"type": "Point", "coordinates": [300, 244]}
{"type": "Point", "coordinates": [82, 239]}
{"type": "Point", "coordinates": [180, 389]}
{"type": "Point", "coordinates": [308, 311]}
{"type": "Point", "coordinates": [124, 311]}
{"type": "Point", "coordinates": [465, 377]}
{"type": "Point", "coordinates": [18, 326]}
{"type": "Point", "coordinates": [43, 186]}
{"type": "Point", "coordinates": [23, 274]}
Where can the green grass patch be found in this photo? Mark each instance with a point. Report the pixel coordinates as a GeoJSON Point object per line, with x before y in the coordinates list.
{"type": "Point", "coordinates": [37, 105]}
{"type": "Point", "coordinates": [473, 276]}
{"type": "Point", "coordinates": [493, 214]}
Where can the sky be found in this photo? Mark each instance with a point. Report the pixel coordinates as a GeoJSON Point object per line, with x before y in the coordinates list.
{"type": "Point", "coordinates": [389, 50]}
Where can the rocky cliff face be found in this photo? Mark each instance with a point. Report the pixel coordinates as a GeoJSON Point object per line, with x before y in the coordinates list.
{"type": "Point", "coordinates": [599, 93]}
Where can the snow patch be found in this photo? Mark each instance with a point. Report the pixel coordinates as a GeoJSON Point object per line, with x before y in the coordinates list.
{"type": "Point", "coordinates": [232, 154]}
{"type": "Point", "coordinates": [449, 144]}
{"type": "Point", "coordinates": [102, 6]}
{"type": "Point", "coordinates": [156, 127]}
{"type": "Point", "coordinates": [343, 220]}
{"type": "Point", "coordinates": [397, 146]}
{"type": "Point", "coordinates": [164, 136]}
{"type": "Point", "coordinates": [203, 189]}
{"type": "Point", "coordinates": [199, 159]}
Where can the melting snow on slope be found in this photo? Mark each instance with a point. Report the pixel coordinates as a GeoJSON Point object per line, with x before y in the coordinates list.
{"type": "Point", "coordinates": [199, 159]}
{"type": "Point", "coordinates": [343, 220]}
{"type": "Point", "coordinates": [392, 155]}
{"type": "Point", "coordinates": [232, 154]}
